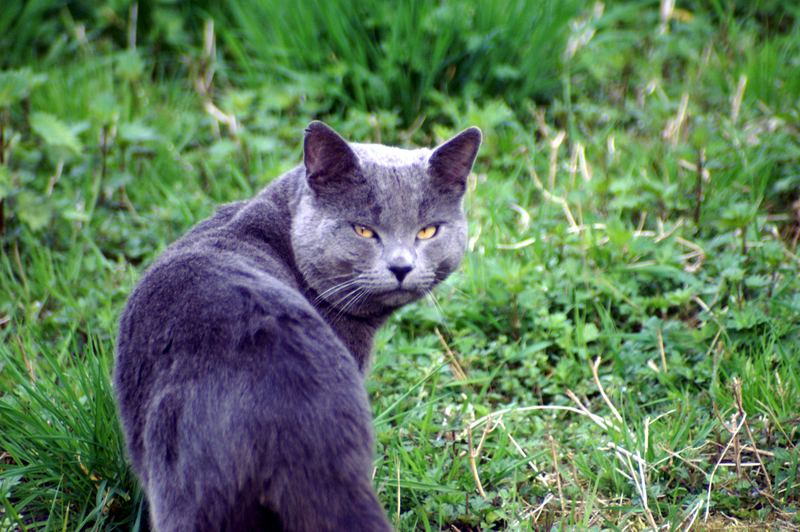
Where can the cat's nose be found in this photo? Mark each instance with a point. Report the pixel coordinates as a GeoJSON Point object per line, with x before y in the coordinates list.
{"type": "Point", "coordinates": [400, 261]}
{"type": "Point", "coordinates": [400, 270]}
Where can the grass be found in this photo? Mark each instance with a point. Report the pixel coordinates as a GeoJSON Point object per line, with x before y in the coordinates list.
{"type": "Point", "coordinates": [620, 348]}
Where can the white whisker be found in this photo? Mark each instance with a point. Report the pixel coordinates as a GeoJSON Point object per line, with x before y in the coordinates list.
{"type": "Point", "coordinates": [347, 302]}
{"type": "Point", "coordinates": [335, 288]}
{"type": "Point", "coordinates": [432, 297]}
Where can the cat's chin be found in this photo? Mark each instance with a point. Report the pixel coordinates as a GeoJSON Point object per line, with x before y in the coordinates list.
{"type": "Point", "coordinates": [399, 297]}
{"type": "Point", "coordinates": [383, 303]}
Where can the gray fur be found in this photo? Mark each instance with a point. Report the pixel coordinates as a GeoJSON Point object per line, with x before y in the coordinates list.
{"type": "Point", "coordinates": [242, 350]}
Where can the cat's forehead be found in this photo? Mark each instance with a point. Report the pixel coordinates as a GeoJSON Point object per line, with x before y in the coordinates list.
{"type": "Point", "coordinates": [380, 155]}
{"type": "Point", "coordinates": [398, 192]}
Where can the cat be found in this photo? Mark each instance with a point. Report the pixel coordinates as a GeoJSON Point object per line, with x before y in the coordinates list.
{"type": "Point", "coordinates": [242, 350]}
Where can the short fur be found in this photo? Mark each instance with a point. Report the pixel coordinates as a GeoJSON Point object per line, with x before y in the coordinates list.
{"type": "Point", "coordinates": [242, 350]}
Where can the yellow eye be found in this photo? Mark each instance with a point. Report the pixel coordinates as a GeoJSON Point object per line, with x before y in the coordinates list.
{"type": "Point", "coordinates": [365, 232]}
{"type": "Point", "coordinates": [427, 232]}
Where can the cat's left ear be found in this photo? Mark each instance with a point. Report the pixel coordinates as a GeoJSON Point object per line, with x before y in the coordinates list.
{"type": "Point", "coordinates": [450, 164]}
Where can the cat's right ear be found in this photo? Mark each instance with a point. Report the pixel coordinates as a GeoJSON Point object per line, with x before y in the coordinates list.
{"type": "Point", "coordinates": [327, 157]}
{"type": "Point", "coordinates": [451, 163]}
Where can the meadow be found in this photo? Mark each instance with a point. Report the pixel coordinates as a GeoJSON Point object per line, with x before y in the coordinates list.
{"type": "Point", "coordinates": [621, 347]}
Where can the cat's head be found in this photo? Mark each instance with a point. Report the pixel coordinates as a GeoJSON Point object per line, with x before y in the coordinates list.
{"type": "Point", "coordinates": [377, 227]}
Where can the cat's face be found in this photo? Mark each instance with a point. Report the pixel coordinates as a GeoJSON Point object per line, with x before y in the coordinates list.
{"type": "Point", "coordinates": [378, 227]}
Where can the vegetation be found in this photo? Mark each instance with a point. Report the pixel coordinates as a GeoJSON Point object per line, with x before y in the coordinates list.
{"type": "Point", "coordinates": [621, 347]}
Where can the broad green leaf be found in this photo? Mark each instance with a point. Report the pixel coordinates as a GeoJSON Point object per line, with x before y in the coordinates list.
{"type": "Point", "coordinates": [55, 132]}
{"type": "Point", "coordinates": [16, 85]}
{"type": "Point", "coordinates": [137, 132]}
{"type": "Point", "coordinates": [32, 210]}
{"type": "Point", "coordinates": [738, 215]}
{"type": "Point", "coordinates": [590, 332]}
{"type": "Point", "coordinates": [105, 108]}
{"type": "Point", "coordinates": [5, 182]}
{"type": "Point", "coordinates": [129, 65]}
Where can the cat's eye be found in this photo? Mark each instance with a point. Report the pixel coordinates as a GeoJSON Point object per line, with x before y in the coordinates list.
{"type": "Point", "coordinates": [427, 232]}
{"type": "Point", "coordinates": [362, 231]}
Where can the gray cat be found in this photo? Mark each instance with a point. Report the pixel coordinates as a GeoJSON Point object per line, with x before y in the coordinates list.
{"type": "Point", "coordinates": [242, 351]}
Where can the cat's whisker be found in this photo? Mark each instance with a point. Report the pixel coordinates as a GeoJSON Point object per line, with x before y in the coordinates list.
{"type": "Point", "coordinates": [335, 288]}
{"type": "Point", "coordinates": [332, 290]}
{"type": "Point", "coordinates": [359, 297]}
{"type": "Point", "coordinates": [349, 301]}
{"type": "Point", "coordinates": [342, 300]}
{"type": "Point", "coordinates": [343, 275]}
{"type": "Point", "coordinates": [432, 297]}
{"type": "Point", "coordinates": [457, 290]}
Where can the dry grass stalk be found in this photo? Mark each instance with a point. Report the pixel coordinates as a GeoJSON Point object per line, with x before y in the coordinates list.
{"type": "Point", "coordinates": [397, 467]}
{"type": "Point", "coordinates": [133, 18]}
{"type": "Point", "coordinates": [586, 172]}
{"type": "Point", "coordinates": [672, 131]}
{"type": "Point", "coordinates": [734, 437]}
{"type": "Point", "coordinates": [599, 421]}
{"type": "Point", "coordinates": [736, 100]}
{"type": "Point", "coordinates": [596, 376]}
{"type": "Point", "coordinates": [577, 162]}
{"type": "Point", "coordinates": [661, 350]}
{"type": "Point", "coordinates": [662, 234]}
{"type": "Point", "coordinates": [209, 53]}
{"type": "Point", "coordinates": [737, 395]}
{"type": "Point", "coordinates": [689, 462]}
{"type": "Point", "coordinates": [572, 168]}
{"type": "Point", "coordinates": [455, 366]}
{"type": "Point", "coordinates": [555, 144]}
{"type": "Point", "coordinates": [518, 447]}
{"type": "Point", "coordinates": [18, 263]}
{"type": "Point", "coordinates": [693, 260]}
{"type": "Point", "coordinates": [517, 245]}
{"type": "Point", "coordinates": [554, 454]}
{"type": "Point", "coordinates": [25, 359]}
{"type": "Point", "coordinates": [474, 454]}
{"type": "Point", "coordinates": [553, 198]}
{"type": "Point", "coordinates": [537, 512]}
{"type": "Point", "coordinates": [637, 474]}
{"type": "Point", "coordinates": [204, 80]}
{"type": "Point", "coordinates": [692, 166]}
{"type": "Point", "coordinates": [691, 517]}
{"type": "Point", "coordinates": [665, 14]}
{"type": "Point", "coordinates": [51, 183]}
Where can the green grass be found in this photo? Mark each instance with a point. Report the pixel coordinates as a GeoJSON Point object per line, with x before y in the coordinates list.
{"type": "Point", "coordinates": [592, 242]}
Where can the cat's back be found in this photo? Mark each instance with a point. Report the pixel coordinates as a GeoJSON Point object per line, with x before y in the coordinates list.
{"type": "Point", "coordinates": [221, 300]}
{"type": "Point", "coordinates": [199, 279]}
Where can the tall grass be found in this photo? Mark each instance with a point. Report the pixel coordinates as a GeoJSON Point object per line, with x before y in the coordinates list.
{"type": "Point", "coordinates": [377, 55]}
{"type": "Point", "coordinates": [63, 455]}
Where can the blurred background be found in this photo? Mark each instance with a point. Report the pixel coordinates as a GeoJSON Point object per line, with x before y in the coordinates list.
{"type": "Point", "coordinates": [620, 349]}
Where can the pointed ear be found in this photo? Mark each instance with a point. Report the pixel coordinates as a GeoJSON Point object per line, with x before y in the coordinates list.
{"type": "Point", "coordinates": [327, 157]}
{"type": "Point", "coordinates": [450, 164]}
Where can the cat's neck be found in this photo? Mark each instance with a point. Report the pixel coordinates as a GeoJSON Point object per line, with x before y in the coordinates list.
{"type": "Point", "coordinates": [356, 332]}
